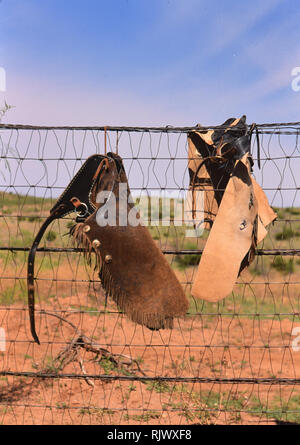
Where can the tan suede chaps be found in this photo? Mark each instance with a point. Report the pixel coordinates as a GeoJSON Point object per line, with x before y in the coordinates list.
{"type": "Point", "coordinates": [235, 208]}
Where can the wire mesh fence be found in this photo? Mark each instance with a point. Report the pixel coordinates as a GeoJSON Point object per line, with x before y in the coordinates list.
{"type": "Point", "coordinates": [236, 361]}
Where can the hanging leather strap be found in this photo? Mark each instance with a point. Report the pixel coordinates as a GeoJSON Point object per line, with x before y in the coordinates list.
{"type": "Point", "coordinates": [75, 198]}
{"type": "Point", "coordinates": [30, 268]}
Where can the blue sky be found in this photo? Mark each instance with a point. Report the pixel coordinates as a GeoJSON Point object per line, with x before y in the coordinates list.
{"type": "Point", "coordinates": [141, 62]}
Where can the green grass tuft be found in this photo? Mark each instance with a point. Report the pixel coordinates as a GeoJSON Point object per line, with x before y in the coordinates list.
{"type": "Point", "coordinates": [282, 265]}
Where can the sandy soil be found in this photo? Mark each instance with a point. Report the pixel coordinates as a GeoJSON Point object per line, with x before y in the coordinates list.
{"type": "Point", "coordinates": [203, 346]}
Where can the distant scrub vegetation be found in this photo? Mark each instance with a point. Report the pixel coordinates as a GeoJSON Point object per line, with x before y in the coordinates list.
{"type": "Point", "coordinates": [22, 215]}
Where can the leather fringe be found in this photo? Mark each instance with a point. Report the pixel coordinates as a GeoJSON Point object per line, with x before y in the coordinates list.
{"type": "Point", "coordinates": [82, 241]}
{"type": "Point", "coordinates": [153, 321]}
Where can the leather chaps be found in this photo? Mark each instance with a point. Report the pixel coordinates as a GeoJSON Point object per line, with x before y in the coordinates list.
{"type": "Point", "coordinates": [132, 268]}
{"type": "Point", "coordinates": [235, 208]}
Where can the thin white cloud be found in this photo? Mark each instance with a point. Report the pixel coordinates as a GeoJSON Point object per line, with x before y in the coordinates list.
{"type": "Point", "coordinates": [234, 22]}
{"type": "Point", "coordinates": [175, 12]}
{"type": "Point", "coordinates": [208, 96]}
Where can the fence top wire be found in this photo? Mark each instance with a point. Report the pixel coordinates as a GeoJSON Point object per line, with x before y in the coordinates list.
{"type": "Point", "coordinates": [293, 127]}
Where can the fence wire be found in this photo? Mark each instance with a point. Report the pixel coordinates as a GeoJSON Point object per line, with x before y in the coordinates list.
{"type": "Point", "coordinates": [232, 362]}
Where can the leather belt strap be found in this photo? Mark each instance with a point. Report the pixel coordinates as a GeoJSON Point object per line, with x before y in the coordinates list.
{"type": "Point", "coordinates": [74, 196]}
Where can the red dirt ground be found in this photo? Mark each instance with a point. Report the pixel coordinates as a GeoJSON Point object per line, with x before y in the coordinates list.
{"type": "Point", "coordinates": [210, 347]}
